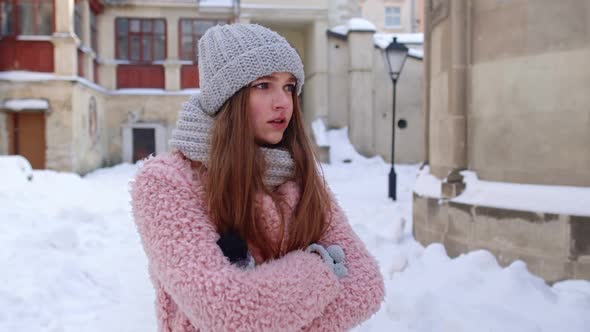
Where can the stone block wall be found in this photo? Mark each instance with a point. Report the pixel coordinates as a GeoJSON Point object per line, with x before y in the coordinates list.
{"type": "Point", "coordinates": [554, 246]}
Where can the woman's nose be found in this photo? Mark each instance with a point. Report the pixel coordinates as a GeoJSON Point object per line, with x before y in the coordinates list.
{"type": "Point", "coordinates": [281, 99]}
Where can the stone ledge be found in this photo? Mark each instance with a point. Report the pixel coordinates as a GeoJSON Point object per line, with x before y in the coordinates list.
{"type": "Point", "coordinates": [554, 246]}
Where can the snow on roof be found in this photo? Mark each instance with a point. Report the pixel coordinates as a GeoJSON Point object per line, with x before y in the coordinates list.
{"type": "Point", "coordinates": [26, 76]}
{"type": "Point", "coordinates": [340, 30]}
{"type": "Point", "coordinates": [354, 24]}
{"type": "Point", "coordinates": [384, 39]}
{"type": "Point", "coordinates": [216, 3]}
{"type": "Point", "coordinates": [25, 104]}
{"type": "Point", "coordinates": [360, 24]}
{"type": "Point", "coordinates": [416, 53]}
{"type": "Point", "coordinates": [381, 40]}
{"type": "Point", "coordinates": [524, 197]}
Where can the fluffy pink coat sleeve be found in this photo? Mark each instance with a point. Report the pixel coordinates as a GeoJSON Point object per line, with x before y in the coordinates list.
{"type": "Point", "coordinates": [362, 290]}
{"type": "Point", "coordinates": [180, 243]}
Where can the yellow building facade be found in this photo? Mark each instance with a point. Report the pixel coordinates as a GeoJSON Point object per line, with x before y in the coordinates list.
{"type": "Point", "coordinates": [118, 71]}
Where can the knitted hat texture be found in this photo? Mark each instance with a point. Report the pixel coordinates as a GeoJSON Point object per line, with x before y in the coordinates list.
{"type": "Point", "coordinates": [232, 56]}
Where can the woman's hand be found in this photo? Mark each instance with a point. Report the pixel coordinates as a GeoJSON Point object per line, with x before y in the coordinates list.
{"type": "Point", "coordinates": [333, 256]}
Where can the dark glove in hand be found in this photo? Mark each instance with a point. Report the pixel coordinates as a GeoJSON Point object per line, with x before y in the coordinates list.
{"type": "Point", "coordinates": [233, 246]}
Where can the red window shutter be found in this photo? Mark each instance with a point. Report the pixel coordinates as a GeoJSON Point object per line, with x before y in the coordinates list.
{"type": "Point", "coordinates": [26, 55]}
{"type": "Point", "coordinates": [140, 76]}
{"type": "Point", "coordinates": [189, 76]}
{"type": "Point", "coordinates": [8, 54]}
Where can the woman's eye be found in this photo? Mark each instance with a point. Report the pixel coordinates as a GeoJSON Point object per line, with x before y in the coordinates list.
{"type": "Point", "coordinates": [261, 86]}
{"type": "Point", "coordinates": [290, 87]}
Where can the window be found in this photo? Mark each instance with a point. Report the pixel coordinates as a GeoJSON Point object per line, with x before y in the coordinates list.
{"type": "Point", "coordinates": [78, 20]}
{"type": "Point", "coordinates": [7, 22]}
{"type": "Point", "coordinates": [140, 39]}
{"type": "Point", "coordinates": [26, 17]}
{"type": "Point", "coordinates": [393, 17]}
{"type": "Point", "coordinates": [191, 31]}
{"type": "Point", "coordinates": [93, 32]}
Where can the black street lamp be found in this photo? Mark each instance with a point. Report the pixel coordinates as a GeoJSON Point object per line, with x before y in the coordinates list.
{"type": "Point", "coordinates": [395, 54]}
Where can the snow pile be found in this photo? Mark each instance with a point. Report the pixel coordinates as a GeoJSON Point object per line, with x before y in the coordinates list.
{"type": "Point", "coordinates": [70, 256]}
{"type": "Point", "coordinates": [473, 293]}
{"type": "Point", "coordinates": [72, 260]}
{"type": "Point", "coordinates": [427, 184]}
{"type": "Point", "coordinates": [16, 171]}
{"type": "Point", "coordinates": [525, 197]}
{"type": "Point", "coordinates": [318, 127]}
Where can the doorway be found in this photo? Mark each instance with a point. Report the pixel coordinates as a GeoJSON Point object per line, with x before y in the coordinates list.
{"type": "Point", "coordinates": [26, 137]}
{"type": "Point", "coordinates": [141, 139]}
{"type": "Point", "coordinates": [144, 143]}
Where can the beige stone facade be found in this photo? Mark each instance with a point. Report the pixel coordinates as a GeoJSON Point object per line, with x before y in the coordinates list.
{"type": "Point", "coordinates": [554, 246]}
{"type": "Point", "coordinates": [346, 85]}
{"type": "Point", "coordinates": [506, 97]}
{"type": "Point", "coordinates": [360, 97]}
{"type": "Point", "coordinates": [405, 16]}
{"type": "Point", "coordinates": [70, 146]}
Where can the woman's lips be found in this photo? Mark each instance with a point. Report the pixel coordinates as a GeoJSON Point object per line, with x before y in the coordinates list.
{"type": "Point", "coordinates": [278, 123]}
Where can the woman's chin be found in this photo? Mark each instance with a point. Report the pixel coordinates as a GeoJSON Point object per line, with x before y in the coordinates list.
{"type": "Point", "coordinates": [270, 141]}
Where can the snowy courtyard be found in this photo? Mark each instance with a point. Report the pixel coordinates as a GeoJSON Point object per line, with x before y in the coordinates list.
{"type": "Point", "coordinates": [71, 260]}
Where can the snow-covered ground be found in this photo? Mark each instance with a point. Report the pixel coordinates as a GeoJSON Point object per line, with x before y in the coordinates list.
{"type": "Point", "coordinates": [71, 260]}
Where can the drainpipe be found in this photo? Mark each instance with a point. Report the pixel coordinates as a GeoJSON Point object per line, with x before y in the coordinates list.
{"type": "Point", "coordinates": [426, 92]}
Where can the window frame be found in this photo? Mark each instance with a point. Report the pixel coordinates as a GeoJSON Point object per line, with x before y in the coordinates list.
{"type": "Point", "coordinates": [392, 16]}
{"type": "Point", "coordinates": [140, 35]}
{"type": "Point", "coordinates": [195, 36]}
{"type": "Point", "coordinates": [93, 31]}
{"type": "Point", "coordinates": [78, 22]}
{"type": "Point", "coordinates": [16, 27]}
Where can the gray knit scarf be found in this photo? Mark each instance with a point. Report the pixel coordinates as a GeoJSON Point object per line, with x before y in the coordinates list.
{"type": "Point", "coordinates": [191, 137]}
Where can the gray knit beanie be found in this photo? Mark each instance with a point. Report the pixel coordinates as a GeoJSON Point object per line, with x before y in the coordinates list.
{"type": "Point", "coordinates": [232, 56]}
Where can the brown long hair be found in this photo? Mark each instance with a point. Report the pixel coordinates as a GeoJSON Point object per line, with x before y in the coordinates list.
{"type": "Point", "coordinates": [235, 175]}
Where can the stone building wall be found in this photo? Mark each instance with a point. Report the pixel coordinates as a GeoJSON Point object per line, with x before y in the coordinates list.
{"type": "Point", "coordinates": [530, 69]}
{"type": "Point", "coordinates": [360, 97]}
{"type": "Point", "coordinates": [506, 95]}
{"type": "Point", "coordinates": [409, 140]}
{"type": "Point", "coordinates": [505, 86]}
{"type": "Point", "coordinates": [554, 246]}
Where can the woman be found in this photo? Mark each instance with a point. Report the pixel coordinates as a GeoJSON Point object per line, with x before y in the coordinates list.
{"type": "Point", "coordinates": [240, 230]}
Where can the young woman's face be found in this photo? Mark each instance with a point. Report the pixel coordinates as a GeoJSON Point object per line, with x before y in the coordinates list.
{"type": "Point", "coordinates": [270, 106]}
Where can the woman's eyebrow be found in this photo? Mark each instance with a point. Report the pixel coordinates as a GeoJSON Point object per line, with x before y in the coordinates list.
{"type": "Point", "coordinates": [267, 77]}
{"type": "Point", "coordinates": [291, 78]}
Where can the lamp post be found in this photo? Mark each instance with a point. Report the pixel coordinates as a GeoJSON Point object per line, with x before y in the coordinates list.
{"type": "Point", "coordinates": [396, 54]}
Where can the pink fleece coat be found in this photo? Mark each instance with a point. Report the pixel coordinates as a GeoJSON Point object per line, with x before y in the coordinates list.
{"type": "Point", "coordinates": [197, 289]}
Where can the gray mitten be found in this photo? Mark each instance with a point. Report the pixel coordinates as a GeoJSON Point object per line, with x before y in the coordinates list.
{"type": "Point", "coordinates": [337, 253]}
{"type": "Point", "coordinates": [337, 267]}
{"type": "Point", "coordinates": [338, 256]}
